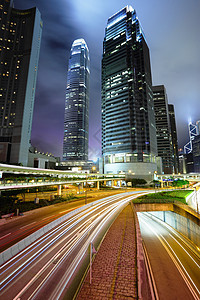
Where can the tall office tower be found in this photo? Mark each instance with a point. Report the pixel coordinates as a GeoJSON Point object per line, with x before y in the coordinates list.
{"type": "Point", "coordinates": [163, 129]}
{"type": "Point", "coordinates": [75, 145]}
{"type": "Point", "coordinates": [128, 123]}
{"type": "Point", "coordinates": [198, 127]}
{"type": "Point", "coordinates": [196, 153]}
{"type": "Point", "coordinates": [20, 37]}
{"type": "Point", "coordinates": [193, 132]}
{"type": "Point", "coordinates": [172, 121]}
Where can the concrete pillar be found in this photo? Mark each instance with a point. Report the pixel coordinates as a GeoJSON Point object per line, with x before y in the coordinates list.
{"type": "Point", "coordinates": [161, 184]}
{"type": "Point", "coordinates": [112, 183]}
{"type": "Point", "coordinates": [59, 191]}
{"type": "Point", "coordinates": [97, 185]}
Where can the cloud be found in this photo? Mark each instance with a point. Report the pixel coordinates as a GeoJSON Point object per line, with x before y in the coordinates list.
{"type": "Point", "coordinates": [172, 32]}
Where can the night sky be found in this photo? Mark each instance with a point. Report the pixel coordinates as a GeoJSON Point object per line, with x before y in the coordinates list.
{"type": "Point", "coordinates": [172, 32]}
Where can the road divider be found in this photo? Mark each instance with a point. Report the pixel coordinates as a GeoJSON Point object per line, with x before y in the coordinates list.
{"type": "Point", "coordinates": [15, 249]}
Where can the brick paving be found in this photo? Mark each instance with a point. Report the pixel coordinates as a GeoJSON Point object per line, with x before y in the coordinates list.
{"type": "Point", "coordinates": [113, 269]}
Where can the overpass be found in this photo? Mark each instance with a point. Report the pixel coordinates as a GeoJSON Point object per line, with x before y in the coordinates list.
{"type": "Point", "coordinates": [55, 177]}
{"type": "Point", "coordinates": [192, 177]}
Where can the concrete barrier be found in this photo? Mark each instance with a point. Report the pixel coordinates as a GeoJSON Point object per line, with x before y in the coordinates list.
{"type": "Point", "coordinates": [15, 249]}
{"type": "Point", "coordinates": [182, 224]}
{"type": "Point", "coordinates": [144, 281]}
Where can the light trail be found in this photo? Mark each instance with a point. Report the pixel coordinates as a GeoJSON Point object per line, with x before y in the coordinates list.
{"type": "Point", "coordinates": [172, 252]}
{"type": "Point", "coordinates": [5, 235]}
{"type": "Point", "coordinates": [59, 227]}
{"type": "Point", "coordinates": [27, 225]}
{"type": "Point", "coordinates": [46, 255]}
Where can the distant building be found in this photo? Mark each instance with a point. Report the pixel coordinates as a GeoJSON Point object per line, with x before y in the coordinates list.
{"type": "Point", "coordinates": [80, 166]}
{"type": "Point", "coordinates": [174, 137]}
{"type": "Point", "coordinates": [192, 148]}
{"type": "Point", "coordinates": [128, 123]}
{"type": "Point", "coordinates": [20, 37]}
{"type": "Point", "coordinates": [163, 128]}
{"type": "Point", "coordinates": [75, 145]}
{"type": "Point", "coordinates": [193, 132]}
{"type": "Point", "coordinates": [198, 126]}
{"type": "Point", "coordinates": [196, 153]}
{"type": "Point", "coordinates": [37, 159]}
{"type": "Point", "coordinates": [189, 162]}
{"type": "Point", "coordinates": [182, 163]}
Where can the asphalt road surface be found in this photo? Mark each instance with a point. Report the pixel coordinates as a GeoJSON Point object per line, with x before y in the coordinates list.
{"type": "Point", "coordinates": [20, 227]}
{"type": "Point", "coordinates": [45, 269]}
{"type": "Point", "coordinates": [174, 261]}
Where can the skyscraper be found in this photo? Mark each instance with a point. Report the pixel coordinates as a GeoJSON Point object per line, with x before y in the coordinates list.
{"type": "Point", "coordinates": [193, 132]}
{"type": "Point", "coordinates": [172, 121]}
{"type": "Point", "coordinates": [20, 37]}
{"type": "Point", "coordinates": [198, 126]}
{"type": "Point", "coordinates": [128, 123]}
{"type": "Point", "coordinates": [75, 145]}
{"type": "Point", "coordinates": [163, 128]}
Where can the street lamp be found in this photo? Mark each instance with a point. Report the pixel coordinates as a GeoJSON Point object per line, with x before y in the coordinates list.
{"type": "Point", "coordinates": [86, 188]}
{"type": "Point", "coordinates": [196, 199]}
{"type": "Point", "coordinates": [93, 169]}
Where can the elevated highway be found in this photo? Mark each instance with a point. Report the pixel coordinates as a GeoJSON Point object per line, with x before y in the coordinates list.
{"type": "Point", "coordinates": [56, 177]}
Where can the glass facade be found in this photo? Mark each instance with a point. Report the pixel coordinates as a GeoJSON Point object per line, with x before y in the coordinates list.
{"type": "Point", "coordinates": [128, 122]}
{"type": "Point", "coordinates": [163, 128]}
{"type": "Point", "coordinates": [20, 38]}
{"type": "Point", "coordinates": [172, 120]}
{"type": "Point", "coordinates": [75, 145]}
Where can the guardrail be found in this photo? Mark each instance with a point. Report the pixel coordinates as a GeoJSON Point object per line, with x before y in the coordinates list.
{"type": "Point", "coordinates": [19, 185]}
{"type": "Point", "coordinates": [15, 249]}
{"type": "Point", "coordinates": [144, 273]}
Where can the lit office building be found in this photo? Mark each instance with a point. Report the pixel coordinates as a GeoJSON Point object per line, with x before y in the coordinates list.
{"type": "Point", "coordinates": [128, 123]}
{"type": "Point", "coordinates": [196, 154]}
{"type": "Point", "coordinates": [198, 126]}
{"type": "Point", "coordinates": [20, 37]}
{"type": "Point", "coordinates": [172, 120]}
{"type": "Point", "coordinates": [163, 128]}
{"type": "Point", "coordinates": [75, 145]}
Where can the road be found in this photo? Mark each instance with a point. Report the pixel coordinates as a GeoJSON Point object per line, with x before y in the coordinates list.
{"type": "Point", "coordinates": [45, 269]}
{"type": "Point", "coordinates": [174, 261]}
{"type": "Point", "coordinates": [19, 227]}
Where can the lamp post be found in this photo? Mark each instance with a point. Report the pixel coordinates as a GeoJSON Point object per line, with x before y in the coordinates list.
{"type": "Point", "coordinates": [86, 188]}
{"type": "Point", "coordinates": [196, 199]}
{"type": "Point", "coordinates": [93, 169]}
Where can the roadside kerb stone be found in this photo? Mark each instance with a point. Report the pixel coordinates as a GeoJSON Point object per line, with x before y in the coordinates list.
{"type": "Point", "coordinates": [114, 271]}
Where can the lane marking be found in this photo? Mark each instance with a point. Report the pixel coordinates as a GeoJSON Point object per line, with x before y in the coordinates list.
{"type": "Point", "coordinates": [48, 217]}
{"type": "Point", "coordinates": [178, 266]}
{"type": "Point", "coordinates": [27, 225]}
{"type": "Point", "coordinates": [63, 211]}
{"type": "Point", "coordinates": [83, 212]}
{"type": "Point", "coordinates": [5, 235]}
{"type": "Point", "coordinates": [185, 251]}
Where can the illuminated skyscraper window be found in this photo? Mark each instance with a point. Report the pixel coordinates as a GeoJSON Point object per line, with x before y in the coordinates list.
{"type": "Point", "coordinates": [163, 128]}
{"type": "Point", "coordinates": [128, 124]}
{"type": "Point", "coordinates": [20, 38]}
{"type": "Point", "coordinates": [174, 137]}
{"type": "Point", "coordinates": [75, 145]}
